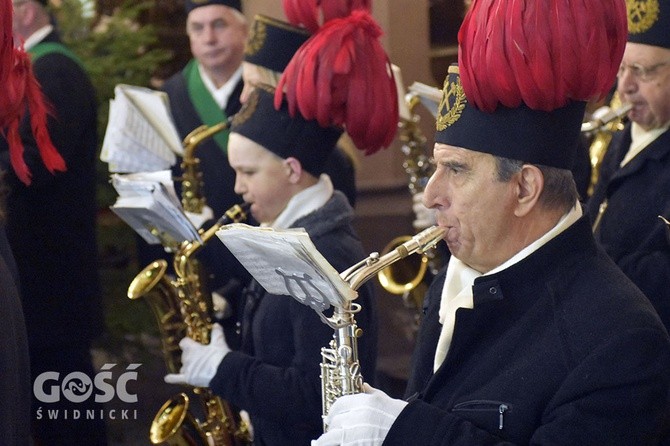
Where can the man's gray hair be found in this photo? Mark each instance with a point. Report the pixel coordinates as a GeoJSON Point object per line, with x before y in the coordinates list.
{"type": "Point", "coordinates": [560, 190]}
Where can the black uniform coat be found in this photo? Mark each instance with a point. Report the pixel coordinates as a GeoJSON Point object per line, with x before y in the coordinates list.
{"type": "Point", "coordinates": [15, 385]}
{"type": "Point", "coordinates": [51, 224]}
{"type": "Point", "coordinates": [559, 349]}
{"type": "Point", "coordinates": [630, 230]}
{"type": "Point", "coordinates": [276, 376]}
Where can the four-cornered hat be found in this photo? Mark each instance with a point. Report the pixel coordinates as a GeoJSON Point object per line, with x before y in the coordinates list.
{"type": "Point", "coordinates": [284, 134]}
{"type": "Point", "coordinates": [649, 22]}
{"type": "Point", "coordinates": [525, 71]}
{"type": "Point", "coordinates": [192, 4]}
{"type": "Point", "coordinates": [21, 92]}
{"type": "Point", "coordinates": [272, 43]}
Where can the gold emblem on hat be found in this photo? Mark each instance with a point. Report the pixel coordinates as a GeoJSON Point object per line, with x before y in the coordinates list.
{"type": "Point", "coordinates": [257, 38]}
{"type": "Point", "coordinates": [642, 15]}
{"type": "Point", "coordinates": [453, 101]}
{"type": "Point", "coordinates": [248, 109]}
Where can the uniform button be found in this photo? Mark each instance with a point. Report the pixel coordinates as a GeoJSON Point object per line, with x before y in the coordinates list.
{"type": "Point", "coordinates": [493, 290]}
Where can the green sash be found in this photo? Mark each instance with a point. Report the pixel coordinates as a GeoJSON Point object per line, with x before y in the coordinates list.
{"type": "Point", "coordinates": [209, 111]}
{"type": "Point", "coordinates": [44, 48]}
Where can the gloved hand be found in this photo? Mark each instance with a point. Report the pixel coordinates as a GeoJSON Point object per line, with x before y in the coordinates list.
{"type": "Point", "coordinates": [424, 217]}
{"type": "Point", "coordinates": [360, 419]}
{"type": "Point", "coordinates": [199, 219]}
{"type": "Point", "coordinates": [199, 362]}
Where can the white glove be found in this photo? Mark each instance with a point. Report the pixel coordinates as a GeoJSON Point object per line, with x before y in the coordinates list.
{"type": "Point", "coordinates": [199, 361]}
{"type": "Point", "coordinates": [199, 219]}
{"type": "Point", "coordinates": [424, 217]}
{"type": "Point", "coordinates": [361, 419]}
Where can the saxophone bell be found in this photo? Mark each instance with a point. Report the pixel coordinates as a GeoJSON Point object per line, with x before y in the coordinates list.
{"type": "Point", "coordinates": [175, 426]}
{"type": "Point", "coordinates": [153, 284]}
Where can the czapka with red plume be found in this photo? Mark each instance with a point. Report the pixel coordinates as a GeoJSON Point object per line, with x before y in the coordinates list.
{"type": "Point", "coordinates": [342, 76]}
{"type": "Point", "coordinates": [21, 94]}
{"type": "Point", "coordinates": [525, 71]}
{"type": "Point", "coordinates": [312, 14]}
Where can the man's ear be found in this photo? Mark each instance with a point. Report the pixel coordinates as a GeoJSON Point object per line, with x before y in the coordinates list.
{"type": "Point", "coordinates": [294, 169]}
{"type": "Point", "coordinates": [530, 184]}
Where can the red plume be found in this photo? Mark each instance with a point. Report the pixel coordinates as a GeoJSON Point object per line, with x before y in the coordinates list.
{"type": "Point", "coordinates": [342, 76]}
{"type": "Point", "coordinates": [312, 14]}
{"type": "Point", "coordinates": [543, 53]}
{"type": "Point", "coordinates": [22, 94]}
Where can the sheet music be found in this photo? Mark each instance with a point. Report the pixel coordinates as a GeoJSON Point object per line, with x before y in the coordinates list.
{"type": "Point", "coordinates": [403, 109]}
{"type": "Point", "coordinates": [286, 262]}
{"type": "Point", "coordinates": [148, 201]}
{"type": "Point", "coordinates": [140, 134]}
{"type": "Point", "coordinates": [430, 97]}
{"type": "Point", "coordinates": [154, 106]}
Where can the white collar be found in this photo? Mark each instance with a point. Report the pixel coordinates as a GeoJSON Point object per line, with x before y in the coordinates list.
{"type": "Point", "coordinates": [221, 95]}
{"type": "Point", "coordinates": [305, 202]}
{"type": "Point", "coordinates": [37, 36]}
{"type": "Point", "coordinates": [640, 139]}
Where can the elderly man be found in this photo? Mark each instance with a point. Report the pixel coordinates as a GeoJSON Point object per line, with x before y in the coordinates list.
{"type": "Point", "coordinates": [632, 192]}
{"type": "Point", "coordinates": [207, 90]}
{"type": "Point", "coordinates": [531, 335]}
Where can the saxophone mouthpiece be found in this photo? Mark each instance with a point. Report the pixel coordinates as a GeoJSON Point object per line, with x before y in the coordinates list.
{"type": "Point", "coordinates": [603, 116]}
{"type": "Point", "coordinates": [235, 214]}
{"type": "Point", "coordinates": [423, 241]}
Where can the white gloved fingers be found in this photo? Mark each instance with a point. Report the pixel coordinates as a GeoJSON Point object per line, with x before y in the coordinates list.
{"type": "Point", "coordinates": [187, 343]}
{"type": "Point", "coordinates": [199, 219]}
{"type": "Point", "coordinates": [201, 361]}
{"type": "Point", "coordinates": [216, 337]}
{"type": "Point", "coordinates": [334, 437]}
{"type": "Point", "coordinates": [424, 217]}
{"type": "Point", "coordinates": [175, 378]}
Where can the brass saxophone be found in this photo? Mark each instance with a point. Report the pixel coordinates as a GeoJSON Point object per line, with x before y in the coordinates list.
{"type": "Point", "coordinates": [182, 308]}
{"type": "Point", "coordinates": [406, 278]}
{"type": "Point", "coordinates": [340, 369]}
{"type": "Point", "coordinates": [602, 129]}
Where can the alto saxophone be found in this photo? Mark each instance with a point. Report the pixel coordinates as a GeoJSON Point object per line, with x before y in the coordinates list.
{"type": "Point", "coordinates": [406, 278]}
{"type": "Point", "coordinates": [340, 369]}
{"type": "Point", "coordinates": [182, 308]}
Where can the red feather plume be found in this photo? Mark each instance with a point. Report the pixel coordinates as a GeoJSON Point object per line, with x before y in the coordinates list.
{"type": "Point", "coordinates": [543, 53]}
{"type": "Point", "coordinates": [342, 76]}
{"type": "Point", "coordinates": [22, 94]}
{"type": "Point", "coordinates": [312, 14]}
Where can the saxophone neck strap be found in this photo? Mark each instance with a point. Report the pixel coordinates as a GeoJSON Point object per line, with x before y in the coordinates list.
{"type": "Point", "coordinates": [208, 110]}
{"type": "Point", "coordinates": [44, 48]}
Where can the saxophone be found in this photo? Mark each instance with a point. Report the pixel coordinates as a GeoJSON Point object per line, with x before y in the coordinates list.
{"type": "Point", "coordinates": [182, 308]}
{"type": "Point", "coordinates": [406, 278]}
{"type": "Point", "coordinates": [340, 369]}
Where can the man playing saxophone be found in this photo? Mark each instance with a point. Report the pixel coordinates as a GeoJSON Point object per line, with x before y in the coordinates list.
{"type": "Point", "coordinates": [634, 177]}
{"type": "Point", "coordinates": [531, 334]}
